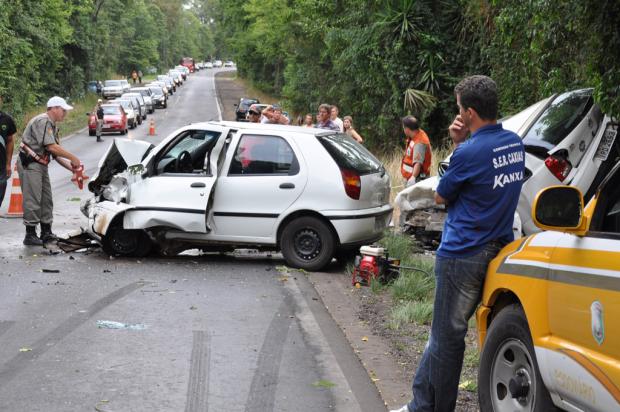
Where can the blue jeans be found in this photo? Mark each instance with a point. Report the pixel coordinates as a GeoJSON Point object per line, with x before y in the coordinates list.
{"type": "Point", "coordinates": [458, 290]}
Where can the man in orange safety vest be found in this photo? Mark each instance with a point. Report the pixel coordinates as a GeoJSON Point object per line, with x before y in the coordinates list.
{"type": "Point", "coordinates": [416, 163]}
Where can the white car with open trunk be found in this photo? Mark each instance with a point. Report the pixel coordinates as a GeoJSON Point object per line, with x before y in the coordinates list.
{"type": "Point", "coordinates": [311, 193]}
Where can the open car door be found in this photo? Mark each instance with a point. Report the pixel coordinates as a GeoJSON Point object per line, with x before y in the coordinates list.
{"type": "Point", "coordinates": [178, 183]}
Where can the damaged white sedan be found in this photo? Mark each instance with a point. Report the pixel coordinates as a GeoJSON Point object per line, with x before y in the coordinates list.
{"type": "Point", "coordinates": [219, 186]}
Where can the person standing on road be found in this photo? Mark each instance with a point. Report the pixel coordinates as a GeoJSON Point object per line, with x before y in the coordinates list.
{"type": "Point", "coordinates": [7, 134]}
{"type": "Point", "coordinates": [40, 141]}
{"type": "Point", "coordinates": [334, 112]}
{"type": "Point", "coordinates": [481, 191]}
{"type": "Point", "coordinates": [134, 76]}
{"type": "Point", "coordinates": [99, 118]}
{"type": "Point", "coordinates": [348, 129]}
{"type": "Point", "coordinates": [323, 120]}
{"type": "Point", "coordinates": [416, 163]}
{"type": "Point", "coordinates": [253, 114]}
{"type": "Point", "coordinates": [140, 76]}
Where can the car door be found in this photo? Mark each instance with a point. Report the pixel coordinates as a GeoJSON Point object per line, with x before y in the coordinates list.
{"type": "Point", "coordinates": [262, 177]}
{"type": "Point", "coordinates": [179, 183]}
{"type": "Point", "coordinates": [584, 308]}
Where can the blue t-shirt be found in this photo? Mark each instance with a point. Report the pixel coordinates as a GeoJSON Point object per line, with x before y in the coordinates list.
{"type": "Point", "coordinates": [482, 187]}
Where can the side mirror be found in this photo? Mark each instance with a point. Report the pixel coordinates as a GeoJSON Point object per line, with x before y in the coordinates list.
{"type": "Point", "coordinates": [558, 208]}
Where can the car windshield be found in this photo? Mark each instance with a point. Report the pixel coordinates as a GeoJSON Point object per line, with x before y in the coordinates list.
{"type": "Point", "coordinates": [109, 83]}
{"type": "Point", "coordinates": [156, 90]}
{"type": "Point", "coordinates": [111, 109]}
{"type": "Point", "coordinates": [125, 103]}
{"type": "Point", "coordinates": [559, 119]}
{"type": "Point", "coordinates": [349, 154]}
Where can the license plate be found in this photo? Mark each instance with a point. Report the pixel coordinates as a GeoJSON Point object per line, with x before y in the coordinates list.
{"type": "Point", "coordinates": [607, 141]}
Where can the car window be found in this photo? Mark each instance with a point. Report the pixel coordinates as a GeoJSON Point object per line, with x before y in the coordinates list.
{"type": "Point", "coordinates": [195, 142]}
{"type": "Point", "coordinates": [263, 155]}
{"type": "Point", "coordinates": [606, 217]}
{"type": "Point", "coordinates": [109, 83]}
{"type": "Point", "coordinates": [348, 154]}
{"type": "Point", "coordinates": [111, 110]}
{"type": "Point", "coordinates": [559, 119]}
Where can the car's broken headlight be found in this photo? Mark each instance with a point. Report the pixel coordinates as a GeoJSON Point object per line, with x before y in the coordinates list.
{"type": "Point", "coordinates": [116, 190]}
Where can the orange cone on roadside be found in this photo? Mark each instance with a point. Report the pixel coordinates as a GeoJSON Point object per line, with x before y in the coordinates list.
{"type": "Point", "coordinates": [152, 128]}
{"type": "Point", "coordinates": [16, 204]}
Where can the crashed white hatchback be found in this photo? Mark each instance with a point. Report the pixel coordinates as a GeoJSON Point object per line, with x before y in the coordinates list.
{"type": "Point", "coordinates": [310, 193]}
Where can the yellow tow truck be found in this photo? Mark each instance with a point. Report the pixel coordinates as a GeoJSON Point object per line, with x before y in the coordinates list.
{"type": "Point", "coordinates": [549, 321]}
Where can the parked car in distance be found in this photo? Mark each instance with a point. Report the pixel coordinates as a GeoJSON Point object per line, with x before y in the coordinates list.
{"type": "Point", "coordinates": [137, 97]}
{"type": "Point", "coordinates": [147, 94]}
{"type": "Point", "coordinates": [208, 65]}
{"type": "Point", "coordinates": [548, 321]}
{"type": "Point", "coordinates": [229, 63]}
{"type": "Point", "coordinates": [217, 64]}
{"type": "Point", "coordinates": [159, 96]}
{"type": "Point", "coordinates": [131, 111]}
{"type": "Point", "coordinates": [169, 81]}
{"type": "Point", "coordinates": [94, 86]}
{"type": "Point", "coordinates": [161, 85]}
{"type": "Point", "coordinates": [114, 120]}
{"type": "Point", "coordinates": [177, 76]}
{"type": "Point", "coordinates": [242, 107]}
{"type": "Point", "coordinates": [112, 88]}
{"type": "Point", "coordinates": [183, 70]}
{"type": "Point", "coordinates": [311, 193]}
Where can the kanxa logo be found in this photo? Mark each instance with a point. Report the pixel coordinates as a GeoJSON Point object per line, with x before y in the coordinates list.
{"type": "Point", "coordinates": [503, 179]}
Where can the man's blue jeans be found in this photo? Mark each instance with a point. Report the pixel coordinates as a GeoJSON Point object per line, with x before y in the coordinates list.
{"type": "Point", "coordinates": [458, 290]}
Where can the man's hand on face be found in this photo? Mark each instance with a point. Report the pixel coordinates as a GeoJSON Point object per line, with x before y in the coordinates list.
{"type": "Point", "coordinates": [458, 130]}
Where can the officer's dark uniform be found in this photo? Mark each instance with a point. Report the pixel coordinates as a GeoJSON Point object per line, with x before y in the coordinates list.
{"type": "Point", "coordinates": [7, 128]}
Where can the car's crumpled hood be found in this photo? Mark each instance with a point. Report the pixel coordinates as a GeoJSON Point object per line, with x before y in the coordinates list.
{"type": "Point", "coordinates": [121, 154]}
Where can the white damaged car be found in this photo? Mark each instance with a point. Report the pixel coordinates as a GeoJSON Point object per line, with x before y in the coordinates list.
{"type": "Point", "coordinates": [311, 193]}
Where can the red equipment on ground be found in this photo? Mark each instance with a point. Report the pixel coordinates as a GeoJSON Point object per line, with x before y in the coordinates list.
{"type": "Point", "coordinates": [374, 263]}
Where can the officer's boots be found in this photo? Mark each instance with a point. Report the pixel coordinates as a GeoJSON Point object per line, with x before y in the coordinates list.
{"type": "Point", "coordinates": [46, 233]}
{"type": "Point", "coordinates": [31, 238]}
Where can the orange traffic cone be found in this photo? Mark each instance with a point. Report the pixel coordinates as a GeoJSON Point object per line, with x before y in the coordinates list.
{"type": "Point", "coordinates": [152, 128]}
{"type": "Point", "coordinates": [15, 206]}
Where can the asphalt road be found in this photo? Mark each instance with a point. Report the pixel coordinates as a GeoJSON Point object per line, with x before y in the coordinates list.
{"type": "Point", "coordinates": [198, 332]}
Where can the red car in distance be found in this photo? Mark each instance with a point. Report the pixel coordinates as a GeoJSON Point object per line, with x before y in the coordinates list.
{"type": "Point", "coordinates": [189, 63]}
{"type": "Point", "coordinates": [114, 120]}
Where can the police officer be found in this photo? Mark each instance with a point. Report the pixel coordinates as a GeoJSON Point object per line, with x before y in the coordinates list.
{"type": "Point", "coordinates": [7, 132]}
{"type": "Point", "coordinates": [40, 141]}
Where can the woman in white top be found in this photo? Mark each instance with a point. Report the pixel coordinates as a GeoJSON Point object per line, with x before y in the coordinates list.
{"type": "Point", "coordinates": [348, 129]}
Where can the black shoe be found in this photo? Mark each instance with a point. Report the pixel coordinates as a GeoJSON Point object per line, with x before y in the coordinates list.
{"type": "Point", "coordinates": [46, 233]}
{"type": "Point", "coordinates": [99, 139]}
{"type": "Point", "coordinates": [31, 238]}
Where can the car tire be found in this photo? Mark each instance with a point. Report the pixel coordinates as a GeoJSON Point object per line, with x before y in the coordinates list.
{"type": "Point", "coordinates": [508, 350]}
{"type": "Point", "coordinates": [92, 132]}
{"type": "Point", "coordinates": [307, 243]}
{"type": "Point", "coordinates": [126, 242]}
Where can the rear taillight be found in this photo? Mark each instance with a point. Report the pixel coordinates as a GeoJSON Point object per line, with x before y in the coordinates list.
{"type": "Point", "coordinates": [352, 183]}
{"type": "Point", "coordinates": [559, 166]}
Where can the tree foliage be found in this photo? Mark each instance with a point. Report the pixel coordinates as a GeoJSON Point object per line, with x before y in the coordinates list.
{"type": "Point", "coordinates": [381, 59]}
{"type": "Point", "coordinates": [56, 46]}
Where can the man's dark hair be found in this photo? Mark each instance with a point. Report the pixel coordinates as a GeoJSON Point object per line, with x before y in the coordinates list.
{"type": "Point", "coordinates": [480, 93]}
{"type": "Point", "coordinates": [411, 123]}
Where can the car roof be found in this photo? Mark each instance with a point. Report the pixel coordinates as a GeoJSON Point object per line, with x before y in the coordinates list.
{"type": "Point", "coordinates": [268, 127]}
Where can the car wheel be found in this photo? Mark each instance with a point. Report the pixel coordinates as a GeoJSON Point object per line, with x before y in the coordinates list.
{"type": "Point", "coordinates": [307, 243]}
{"type": "Point", "coordinates": [125, 242]}
{"type": "Point", "coordinates": [509, 379]}
{"type": "Point", "coordinates": [91, 132]}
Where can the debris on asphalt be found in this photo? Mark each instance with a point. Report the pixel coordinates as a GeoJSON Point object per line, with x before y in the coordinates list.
{"type": "Point", "coordinates": [107, 271]}
{"type": "Point", "coordinates": [364, 338]}
{"type": "Point", "coordinates": [50, 270]}
{"type": "Point", "coordinates": [71, 258]}
{"type": "Point", "coordinates": [25, 349]}
{"type": "Point", "coordinates": [193, 307]}
{"type": "Point", "coordinates": [110, 324]}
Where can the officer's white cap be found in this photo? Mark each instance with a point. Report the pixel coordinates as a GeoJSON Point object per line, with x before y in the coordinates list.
{"type": "Point", "coordinates": [58, 102]}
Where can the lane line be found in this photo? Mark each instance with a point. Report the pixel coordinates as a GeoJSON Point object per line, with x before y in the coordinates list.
{"type": "Point", "coordinates": [198, 385]}
{"type": "Point", "coordinates": [217, 99]}
{"type": "Point", "coordinates": [23, 360]}
{"type": "Point", "coordinates": [265, 380]}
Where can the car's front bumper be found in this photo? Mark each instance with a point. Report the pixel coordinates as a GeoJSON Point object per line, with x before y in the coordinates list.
{"type": "Point", "coordinates": [360, 226]}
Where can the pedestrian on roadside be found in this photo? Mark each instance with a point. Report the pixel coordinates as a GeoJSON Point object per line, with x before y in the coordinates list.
{"type": "Point", "coordinates": [253, 114]}
{"type": "Point", "coordinates": [334, 112]}
{"type": "Point", "coordinates": [134, 76]}
{"type": "Point", "coordinates": [479, 224]}
{"type": "Point", "coordinates": [140, 76]}
{"type": "Point", "coordinates": [7, 138]}
{"type": "Point", "coordinates": [273, 115]}
{"type": "Point", "coordinates": [416, 163]}
{"type": "Point", "coordinates": [99, 118]}
{"type": "Point", "coordinates": [40, 141]}
{"type": "Point", "coordinates": [308, 120]}
{"type": "Point", "coordinates": [299, 121]}
{"type": "Point", "coordinates": [347, 123]}
{"type": "Point", "coordinates": [323, 120]}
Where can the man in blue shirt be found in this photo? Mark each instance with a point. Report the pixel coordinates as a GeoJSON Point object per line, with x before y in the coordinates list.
{"type": "Point", "coordinates": [480, 189]}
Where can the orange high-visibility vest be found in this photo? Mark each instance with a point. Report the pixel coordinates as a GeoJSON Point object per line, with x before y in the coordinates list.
{"type": "Point", "coordinates": [406, 166]}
